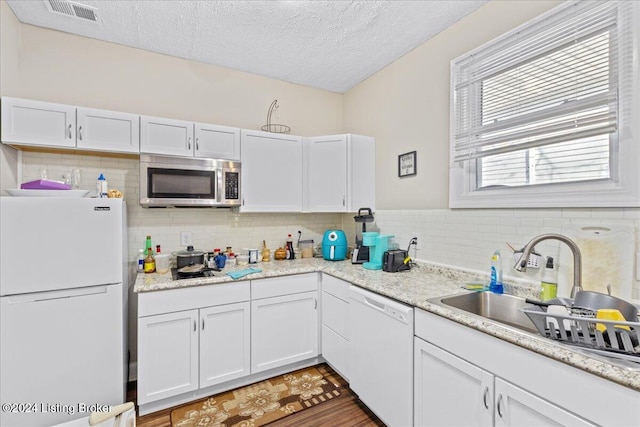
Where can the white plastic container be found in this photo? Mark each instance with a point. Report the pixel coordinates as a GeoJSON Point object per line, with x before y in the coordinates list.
{"type": "Point", "coordinates": [101, 187]}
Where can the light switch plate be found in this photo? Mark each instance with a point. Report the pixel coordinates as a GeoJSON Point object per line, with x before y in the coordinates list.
{"type": "Point", "coordinates": [185, 238]}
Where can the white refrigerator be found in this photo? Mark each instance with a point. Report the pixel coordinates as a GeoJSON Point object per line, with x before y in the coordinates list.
{"type": "Point", "coordinates": [63, 305]}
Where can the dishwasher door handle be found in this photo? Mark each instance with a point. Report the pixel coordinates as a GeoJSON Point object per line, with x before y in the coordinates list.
{"type": "Point", "coordinates": [373, 303]}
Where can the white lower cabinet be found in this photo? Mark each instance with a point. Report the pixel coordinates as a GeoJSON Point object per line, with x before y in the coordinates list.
{"type": "Point", "coordinates": [517, 407]}
{"type": "Point", "coordinates": [225, 340]}
{"type": "Point", "coordinates": [449, 391]}
{"type": "Point", "coordinates": [185, 343]}
{"type": "Point", "coordinates": [183, 351]}
{"type": "Point", "coordinates": [464, 377]}
{"type": "Point", "coordinates": [167, 355]}
{"type": "Point", "coordinates": [335, 322]}
{"type": "Point", "coordinates": [284, 321]}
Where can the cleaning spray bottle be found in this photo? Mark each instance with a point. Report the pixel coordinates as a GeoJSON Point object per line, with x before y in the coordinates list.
{"type": "Point", "coordinates": [495, 285]}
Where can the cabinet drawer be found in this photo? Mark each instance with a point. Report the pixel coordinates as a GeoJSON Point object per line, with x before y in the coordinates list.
{"type": "Point", "coordinates": [276, 286]}
{"type": "Point", "coordinates": [336, 287]}
{"type": "Point", "coordinates": [159, 302]}
{"type": "Point", "coordinates": [335, 350]}
{"type": "Point", "coordinates": [335, 314]}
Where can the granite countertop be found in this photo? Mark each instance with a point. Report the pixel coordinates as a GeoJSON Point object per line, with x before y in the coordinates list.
{"type": "Point", "coordinates": [415, 288]}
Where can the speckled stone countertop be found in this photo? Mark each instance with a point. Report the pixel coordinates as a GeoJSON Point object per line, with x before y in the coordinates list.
{"type": "Point", "coordinates": [415, 288]}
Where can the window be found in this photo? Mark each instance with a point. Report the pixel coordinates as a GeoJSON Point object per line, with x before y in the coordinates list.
{"type": "Point", "coordinates": [544, 116]}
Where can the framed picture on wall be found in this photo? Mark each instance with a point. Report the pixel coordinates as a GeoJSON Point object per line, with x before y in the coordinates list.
{"type": "Point", "coordinates": [407, 164]}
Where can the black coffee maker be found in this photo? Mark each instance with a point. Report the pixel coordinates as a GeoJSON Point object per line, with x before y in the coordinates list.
{"type": "Point", "coordinates": [361, 252]}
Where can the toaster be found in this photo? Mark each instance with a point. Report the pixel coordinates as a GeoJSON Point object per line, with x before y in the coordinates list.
{"type": "Point", "coordinates": [393, 261]}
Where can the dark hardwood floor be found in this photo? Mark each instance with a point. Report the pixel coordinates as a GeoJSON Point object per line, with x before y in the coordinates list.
{"type": "Point", "coordinates": [345, 410]}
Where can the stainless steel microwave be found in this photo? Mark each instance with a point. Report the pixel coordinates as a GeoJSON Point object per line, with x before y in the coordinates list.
{"type": "Point", "coordinates": [188, 182]}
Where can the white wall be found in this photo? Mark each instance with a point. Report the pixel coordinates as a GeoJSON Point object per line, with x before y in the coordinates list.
{"type": "Point", "coordinates": [406, 107]}
{"type": "Point", "coordinates": [58, 67]}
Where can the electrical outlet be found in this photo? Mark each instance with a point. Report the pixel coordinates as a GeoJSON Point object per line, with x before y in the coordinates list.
{"type": "Point", "coordinates": [185, 238]}
{"type": "Point", "coordinates": [418, 237]}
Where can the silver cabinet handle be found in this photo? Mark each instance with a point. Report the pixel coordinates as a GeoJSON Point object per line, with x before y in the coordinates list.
{"type": "Point", "coordinates": [197, 144]}
{"type": "Point", "coordinates": [485, 397]}
{"type": "Point", "coordinates": [500, 413]}
{"type": "Point", "coordinates": [315, 303]}
{"type": "Point", "coordinates": [189, 143]}
{"type": "Point", "coordinates": [80, 133]}
{"type": "Point", "coordinates": [70, 135]}
{"type": "Point", "coordinates": [194, 326]}
{"type": "Point", "coordinates": [203, 324]}
{"type": "Point", "coordinates": [343, 201]}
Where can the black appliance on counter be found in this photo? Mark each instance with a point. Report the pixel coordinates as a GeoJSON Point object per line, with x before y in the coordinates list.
{"type": "Point", "coordinates": [361, 252]}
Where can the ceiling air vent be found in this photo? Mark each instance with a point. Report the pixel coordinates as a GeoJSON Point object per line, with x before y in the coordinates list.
{"type": "Point", "coordinates": [73, 9]}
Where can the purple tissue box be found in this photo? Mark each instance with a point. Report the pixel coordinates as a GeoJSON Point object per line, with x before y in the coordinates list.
{"type": "Point", "coordinates": [44, 184]}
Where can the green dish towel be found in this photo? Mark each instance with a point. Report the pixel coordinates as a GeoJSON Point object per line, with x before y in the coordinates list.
{"type": "Point", "coordinates": [241, 273]}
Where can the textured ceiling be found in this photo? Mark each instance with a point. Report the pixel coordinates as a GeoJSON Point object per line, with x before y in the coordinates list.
{"type": "Point", "coordinates": [331, 45]}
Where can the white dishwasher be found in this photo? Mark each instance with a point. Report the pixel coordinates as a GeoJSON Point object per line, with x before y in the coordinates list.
{"type": "Point", "coordinates": [382, 355]}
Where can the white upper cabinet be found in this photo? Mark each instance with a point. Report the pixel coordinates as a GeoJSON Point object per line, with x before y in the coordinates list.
{"type": "Point", "coordinates": [45, 124]}
{"type": "Point", "coordinates": [325, 172]}
{"type": "Point", "coordinates": [339, 173]}
{"type": "Point", "coordinates": [26, 122]}
{"type": "Point", "coordinates": [166, 136]}
{"type": "Point", "coordinates": [217, 142]}
{"type": "Point", "coordinates": [271, 172]}
{"type": "Point", "coordinates": [182, 138]}
{"type": "Point", "coordinates": [103, 130]}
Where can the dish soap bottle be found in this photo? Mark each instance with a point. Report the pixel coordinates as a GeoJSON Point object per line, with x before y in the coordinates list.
{"type": "Point", "coordinates": [495, 285]}
{"type": "Point", "coordinates": [549, 282]}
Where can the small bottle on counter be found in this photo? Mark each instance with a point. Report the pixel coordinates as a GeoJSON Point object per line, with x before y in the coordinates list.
{"type": "Point", "coordinates": [495, 285]}
{"type": "Point", "coordinates": [101, 187]}
{"type": "Point", "coordinates": [157, 249]}
{"type": "Point", "coordinates": [149, 262]}
{"type": "Point", "coordinates": [289, 248]}
{"type": "Point", "coordinates": [549, 282]}
{"type": "Point", "coordinates": [141, 260]}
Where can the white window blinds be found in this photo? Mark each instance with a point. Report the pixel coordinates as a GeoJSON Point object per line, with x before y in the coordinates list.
{"type": "Point", "coordinates": [540, 106]}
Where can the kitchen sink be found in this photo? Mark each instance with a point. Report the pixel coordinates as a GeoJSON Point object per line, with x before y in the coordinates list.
{"type": "Point", "coordinates": [501, 308]}
{"type": "Point", "coordinates": [506, 311]}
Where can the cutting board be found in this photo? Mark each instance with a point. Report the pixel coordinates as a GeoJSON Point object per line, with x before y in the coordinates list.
{"type": "Point", "coordinates": [608, 254]}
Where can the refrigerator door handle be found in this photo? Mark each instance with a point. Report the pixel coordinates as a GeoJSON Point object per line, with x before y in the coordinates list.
{"type": "Point", "coordinates": [52, 295]}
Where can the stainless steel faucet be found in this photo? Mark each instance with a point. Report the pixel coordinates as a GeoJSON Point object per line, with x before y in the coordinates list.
{"type": "Point", "coordinates": [521, 265]}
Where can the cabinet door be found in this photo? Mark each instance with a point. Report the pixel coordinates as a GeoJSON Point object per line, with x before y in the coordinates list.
{"type": "Point", "coordinates": [167, 355]}
{"type": "Point", "coordinates": [271, 172]}
{"type": "Point", "coordinates": [104, 130]}
{"type": "Point", "coordinates": [325, 173]}
{"type": "Point", "coordinates": [361, 180]}
{"type": "Point", "coordinates": [224, 343]}
{"type": "Point", "coordinates": [449, 391]}
{"type": "Point", "coordinates": [217, 142]}
{"type": "Point", "coordinates": [45, 124]}
{"type": "Point", "coordinates": [166, 136]}
{"type": "Point", "coordinates": [517, 407]}
{"type": "Point", "coordinates": [283, 330]}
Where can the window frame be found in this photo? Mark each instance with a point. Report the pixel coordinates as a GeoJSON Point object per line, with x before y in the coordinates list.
{"type": "Point", "coordinates": [621, 190]}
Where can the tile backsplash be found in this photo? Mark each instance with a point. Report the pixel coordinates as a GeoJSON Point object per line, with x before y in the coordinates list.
{"type": "Point", "coordinates": [462, 238]}
{"type": "Point", "coordinates": [467, 238]}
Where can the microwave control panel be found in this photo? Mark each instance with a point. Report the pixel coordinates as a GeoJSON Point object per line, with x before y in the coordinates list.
{"type": "Point", "coordinates": [231, 185]}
